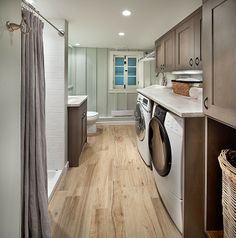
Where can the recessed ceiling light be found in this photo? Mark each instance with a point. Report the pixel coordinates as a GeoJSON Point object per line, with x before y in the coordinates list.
{"type": "Point", "coordinates": [77, 44]}
{"type": "Point", "coordinates": [30, 1]}
{"type": "Point", "coordinates": [126, 13]}
{"type": "Point", "coordinates": [121, 34]}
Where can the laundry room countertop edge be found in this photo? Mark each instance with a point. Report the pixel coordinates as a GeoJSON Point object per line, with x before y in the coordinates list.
{"type": "Point", "coordinates": [180, 105]}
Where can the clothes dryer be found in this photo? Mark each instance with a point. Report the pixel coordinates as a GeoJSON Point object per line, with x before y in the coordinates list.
{"type": "Point", "coordinates": [166, 137]}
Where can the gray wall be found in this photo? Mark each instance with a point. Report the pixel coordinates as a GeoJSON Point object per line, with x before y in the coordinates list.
{"type": "Point", "coordinates": [88, 73]}
{"type": "Point", "coordinates": [10, 165]}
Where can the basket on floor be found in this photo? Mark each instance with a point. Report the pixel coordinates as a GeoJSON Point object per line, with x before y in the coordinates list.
{"type": "Point", "coordinates": [228, 193]}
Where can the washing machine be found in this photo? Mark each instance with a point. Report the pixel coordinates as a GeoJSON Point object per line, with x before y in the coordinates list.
{"type": "Point", "coordinates": [166, 144]}
{"type": "Point", "coordinates": [143, 115]}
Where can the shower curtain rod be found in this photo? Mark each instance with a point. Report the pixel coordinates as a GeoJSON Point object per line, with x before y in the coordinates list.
{"type": "Point", "coordinates": [60, 32]}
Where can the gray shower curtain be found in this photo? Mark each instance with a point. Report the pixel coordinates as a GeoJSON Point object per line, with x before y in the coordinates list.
{"type": "Point", "coordinates": [35, 219]}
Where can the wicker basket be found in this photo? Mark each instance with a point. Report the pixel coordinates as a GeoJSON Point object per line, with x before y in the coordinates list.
{"type": "Point", "coordinates": [181, 88]}
{"type": "Point", "coordinates": [228, 195]}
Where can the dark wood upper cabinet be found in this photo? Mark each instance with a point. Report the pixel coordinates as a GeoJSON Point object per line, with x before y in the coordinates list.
{"type": "Point", "coordinates": [185, 45]}
{"type": "Point", "coordinates": [189, 42]}
{"type": "Point", "coordinates": [219, 54]}
{"type": "Point", "coordinates": [165, 52]}
{"type": "Point", "coordinates": [159, 56]}
{"type": "Point", "coordinates": [181, 47]}
{"type": "Point", "coordinates": [198, 40]}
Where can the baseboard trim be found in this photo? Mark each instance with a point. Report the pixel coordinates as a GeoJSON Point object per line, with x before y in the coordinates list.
{"type": "Point", "coordinates": [116, 123]}
{"type": "Point", "coordinates": [130, 120]}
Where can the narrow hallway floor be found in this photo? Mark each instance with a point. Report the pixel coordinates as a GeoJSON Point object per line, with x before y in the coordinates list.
{"type": "Point", "coordinates": [111, 194]}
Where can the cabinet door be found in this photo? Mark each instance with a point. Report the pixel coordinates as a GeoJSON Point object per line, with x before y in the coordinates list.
{"type": "Point", "coordinates": [84, 127]}
{"type": "Point", "coordinates": [219, 54]}
{"type": "Point", "coordinates": [159, 56]}
{"type": "Point", "coordinates": [168, 43]}
{"type": "Point", "coordinates": [198, 40]}
{"type": "Point", "coordinates": [83, 123]}
{"type": "Point", "coordinates": [185, 45]}
{"type": "Point", "coordinates": [74, 136]}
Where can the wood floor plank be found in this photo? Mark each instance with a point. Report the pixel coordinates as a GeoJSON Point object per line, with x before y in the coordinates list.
{"type": "Point", "coordinates": [111, 194]}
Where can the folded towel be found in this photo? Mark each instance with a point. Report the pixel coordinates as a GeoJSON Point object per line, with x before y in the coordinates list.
{"type": "Point", "coordinates": [195, 92]}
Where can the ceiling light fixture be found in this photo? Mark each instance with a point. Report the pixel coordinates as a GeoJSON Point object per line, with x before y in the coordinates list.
{"type": "Point", "coordinates": [30, 1]}
{"type": "Point", "coordinates": [121, 34]}
{"type": "Point", "coordinates": [77, 44]}
{"type": "Point", "coordinates": [126, 13]}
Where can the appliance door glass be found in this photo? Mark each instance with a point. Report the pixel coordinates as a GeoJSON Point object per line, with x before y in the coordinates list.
{"type": "Point", "coordinates": [159, 146]}
{"type": "Point", "coordinates": [139, 122]}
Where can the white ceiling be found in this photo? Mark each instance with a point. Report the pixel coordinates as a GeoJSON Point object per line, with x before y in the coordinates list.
{"type": "Point", "coordinates": [96, 23]}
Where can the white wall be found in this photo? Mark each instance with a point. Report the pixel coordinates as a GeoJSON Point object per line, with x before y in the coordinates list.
{"type": "Point", "coordinates": [10, 165]}
{"type": "Point", "coordinates": [149, 73]}
{"type": "Point", "coordinates": [56, 55]}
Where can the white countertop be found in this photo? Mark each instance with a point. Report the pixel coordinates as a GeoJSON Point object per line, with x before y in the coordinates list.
{"type": "Point", "coordinates": [76, 101]}
{"type": "Point", "coordinates": [180, 105]}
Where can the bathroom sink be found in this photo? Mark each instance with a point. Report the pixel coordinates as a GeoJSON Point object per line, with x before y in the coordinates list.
{"type": "Point", "coordinates": [76, 100]}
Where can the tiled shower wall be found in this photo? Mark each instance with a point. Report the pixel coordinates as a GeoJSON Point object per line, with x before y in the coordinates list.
{"type": "Point", "coordinates": [56, 56]}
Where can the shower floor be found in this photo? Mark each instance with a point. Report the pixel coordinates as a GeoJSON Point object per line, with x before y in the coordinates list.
{"type": "Point", "coordinates": [53, 179]}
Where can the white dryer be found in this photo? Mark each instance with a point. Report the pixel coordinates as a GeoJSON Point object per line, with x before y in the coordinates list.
{"type": "Point", "coordinates": [143, 114]}
{"type": "Point", "coordinates": [166, 133]}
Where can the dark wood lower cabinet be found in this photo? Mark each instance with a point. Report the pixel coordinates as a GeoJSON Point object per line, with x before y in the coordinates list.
{"type": "Point", "coordinates": [77, 132]}
{"type": "Point", "coordinates": [194, 165]}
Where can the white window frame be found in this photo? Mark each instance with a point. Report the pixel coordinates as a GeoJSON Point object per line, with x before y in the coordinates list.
{"type": "Point", "coordinates": [139, 72]}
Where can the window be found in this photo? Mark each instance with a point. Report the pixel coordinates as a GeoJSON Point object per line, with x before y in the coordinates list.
{"type": "Point", "coordinates": [125, 71]}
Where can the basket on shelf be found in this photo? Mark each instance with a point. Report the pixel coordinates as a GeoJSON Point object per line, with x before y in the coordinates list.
{"type": "Point", "coordinates": [227, 160]}
{"type": "Point", "coordinates": [182, 86]}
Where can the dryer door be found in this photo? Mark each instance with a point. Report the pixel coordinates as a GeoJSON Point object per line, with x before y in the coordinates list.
{"type": "Point", "coordinates": [159, 146]}
{"type": "Point", "coordinates": [140, 122]}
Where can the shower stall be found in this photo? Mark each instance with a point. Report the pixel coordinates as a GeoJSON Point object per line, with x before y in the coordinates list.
{"type": "Point", "coordinates": [56, 61]}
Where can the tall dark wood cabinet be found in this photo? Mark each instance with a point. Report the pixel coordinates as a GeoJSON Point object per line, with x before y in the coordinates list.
{"type": "Point", "coordinates": [189, 42]}
{"type": "Point", "coordinates": [77, 132]}
{"type": "Point", "coordinates": [165, 53]}
{"type": "Point", "coordinates": [219, 53]}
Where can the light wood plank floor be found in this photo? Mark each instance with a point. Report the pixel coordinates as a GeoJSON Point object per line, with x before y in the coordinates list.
{"type": "Point", "coordinates": [111, 194]}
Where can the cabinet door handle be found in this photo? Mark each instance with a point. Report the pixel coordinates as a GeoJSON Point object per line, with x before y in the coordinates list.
{"type": "Point", "coordinates": [197, 61]}
{"type": "Point", "coordinates": [206, 103]}
{"type": "Point", "coordinates": [84, 115]}
{"type": "Point", "coordinates": [191, 62]}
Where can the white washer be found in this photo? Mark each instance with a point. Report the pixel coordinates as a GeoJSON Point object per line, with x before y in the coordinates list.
{"type": "Point", "coordinates": [142, 118]}
{"type": "Point", "coordinates": [166, 148]}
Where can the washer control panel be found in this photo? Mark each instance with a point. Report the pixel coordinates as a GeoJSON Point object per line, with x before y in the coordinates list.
{"type": "Point", "coordinates": [174, 123]}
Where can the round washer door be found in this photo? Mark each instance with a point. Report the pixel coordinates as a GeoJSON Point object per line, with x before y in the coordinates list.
{"type": "Point", "coordinates": [140, 122]}
{"type": "Point", "coordinates": [159, 146]}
